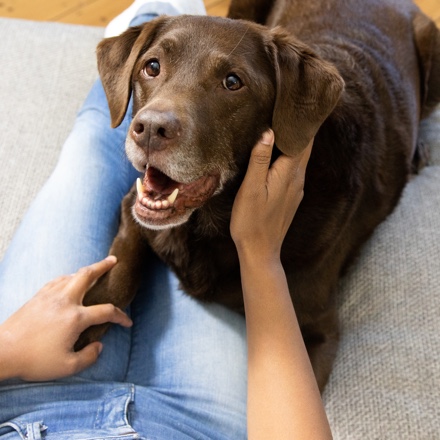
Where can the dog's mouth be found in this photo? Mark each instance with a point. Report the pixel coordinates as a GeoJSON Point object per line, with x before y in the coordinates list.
{"type": "Point", "coordinates": [163, 202]}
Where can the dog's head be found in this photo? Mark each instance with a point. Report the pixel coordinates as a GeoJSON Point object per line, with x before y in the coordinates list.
{"type": "Point", "coordinates": [204, 89]}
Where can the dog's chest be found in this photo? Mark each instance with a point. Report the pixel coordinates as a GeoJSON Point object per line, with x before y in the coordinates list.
{"type": "Point", "coordinates": [207, 267]}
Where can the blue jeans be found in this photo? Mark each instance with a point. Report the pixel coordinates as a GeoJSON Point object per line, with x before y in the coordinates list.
{"type": "Point", "coordinates": [178, 373]}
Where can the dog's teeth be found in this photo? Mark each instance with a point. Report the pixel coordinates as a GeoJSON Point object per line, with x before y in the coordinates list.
{"type": "Point", "coordinates": [172, 197]}
{"type": "Point", "coordinates": [140, 188]}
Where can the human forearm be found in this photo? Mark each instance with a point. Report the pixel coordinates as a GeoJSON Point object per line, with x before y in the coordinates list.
{"type": "Point", "coordinates": [283, 397]}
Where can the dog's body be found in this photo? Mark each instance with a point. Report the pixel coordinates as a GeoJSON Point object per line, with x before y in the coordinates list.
{"type": "Point", "coordinates": [204, 91]}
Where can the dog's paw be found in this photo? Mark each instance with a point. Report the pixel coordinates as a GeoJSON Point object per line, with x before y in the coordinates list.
{"type": "Point", "coordinates": [92, 334]}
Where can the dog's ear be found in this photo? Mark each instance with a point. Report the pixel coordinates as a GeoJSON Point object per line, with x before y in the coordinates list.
{"type": "Point", "coordinates": [308, 88]}
{"type": "Point", "coordinates": [116, 59]}
{"type": "Point", "coordinates": [427, 40]}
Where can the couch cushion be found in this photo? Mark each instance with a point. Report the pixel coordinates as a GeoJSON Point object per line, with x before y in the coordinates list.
{"type": "Point", "coordinates": [47, 70]}
{"type": "Point", "coordinates": [386, 380]}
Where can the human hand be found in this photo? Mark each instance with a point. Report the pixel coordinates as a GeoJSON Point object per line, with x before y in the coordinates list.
{"type": "Point", "coordinates": [267, 199]}
{"type": "Point", "coordinates": [37, 341]}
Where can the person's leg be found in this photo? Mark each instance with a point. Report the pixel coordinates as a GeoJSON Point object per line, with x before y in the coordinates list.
{"type": "Point", "coordinates": [74, 218]}
{"type": "Point", "coordinates": [189, 363]}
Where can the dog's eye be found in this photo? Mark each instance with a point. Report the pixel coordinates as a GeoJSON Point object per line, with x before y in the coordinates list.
{"type": "Point", "coordinates": [152, 68]}
{"type": "Point", "coordinates": [232, 82]}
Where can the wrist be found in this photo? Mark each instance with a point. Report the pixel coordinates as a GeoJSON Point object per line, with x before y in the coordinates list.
{"type": "Point", "coordinates": [261, 268]}
{"type": "Point", "coordinates": [8, 363]}
{"type": "Point", "coordinates": [256, 256]}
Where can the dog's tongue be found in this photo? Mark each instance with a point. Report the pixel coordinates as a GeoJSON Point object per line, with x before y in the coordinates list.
{"type": "Point", "coordinates": [157, 191]}
{"type": "Point", "coordinates": [157, 182]}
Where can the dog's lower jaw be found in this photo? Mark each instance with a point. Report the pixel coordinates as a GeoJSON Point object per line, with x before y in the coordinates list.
{"type": "Point", "coordinates": [162, 203]}
{"type": "Point", "coordinates": [160, 224]}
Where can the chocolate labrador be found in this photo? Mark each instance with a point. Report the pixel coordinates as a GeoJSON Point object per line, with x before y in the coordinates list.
{"type": "Point", "coordinates": [357, 75]}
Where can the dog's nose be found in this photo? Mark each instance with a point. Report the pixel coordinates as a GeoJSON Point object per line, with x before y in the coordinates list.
{"type": "Point", "coordinates": [155, 129]}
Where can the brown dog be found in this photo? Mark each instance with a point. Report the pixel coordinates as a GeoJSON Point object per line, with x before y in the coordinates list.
{"type": "Point", "coordinates": [204, 89]}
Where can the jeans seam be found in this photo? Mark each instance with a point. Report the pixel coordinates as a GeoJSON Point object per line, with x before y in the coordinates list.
{"type": "Point", "coordinates": [14, 426]}
{"type": "Point", "coordinates": [128, 401]}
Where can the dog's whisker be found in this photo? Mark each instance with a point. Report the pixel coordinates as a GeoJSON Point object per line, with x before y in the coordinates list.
{"type": "Point", "coordinates": [238, 44]}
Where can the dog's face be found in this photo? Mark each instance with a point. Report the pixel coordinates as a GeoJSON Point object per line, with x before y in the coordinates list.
{"type": "Point", "coordinates": [204, 89]}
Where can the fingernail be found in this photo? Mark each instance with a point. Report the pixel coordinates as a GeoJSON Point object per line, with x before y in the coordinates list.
{"type": "Point", "coordinates": [267, 137]}
{"type": "Point", "coordinates": [111, 258]}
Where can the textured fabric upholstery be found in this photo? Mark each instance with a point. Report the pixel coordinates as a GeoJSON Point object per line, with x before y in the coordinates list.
{"type": "Point", "coordinates": [46, 72]}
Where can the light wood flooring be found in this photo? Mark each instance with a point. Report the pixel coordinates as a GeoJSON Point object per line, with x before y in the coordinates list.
{"type": "Point", "coordinates": [100, 12]}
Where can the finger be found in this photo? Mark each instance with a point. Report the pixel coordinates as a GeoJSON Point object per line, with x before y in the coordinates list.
{"type": "Point", "coordinates": [84, 279]}
{"type": "Point", "coordinates": [302, 165]}
{"type": "Point", "coordinates": [261, 154]}
{"type": "Point", "coordinates": [103, 313]}
{"type": "Point", "coordinates": [306, 155]}
{"type": "Point", "coordinates": [85, 358]}
{"type": "Point", "coordinates": [291, 168]}
{"type": "Point", "coordinates": [300, 160]}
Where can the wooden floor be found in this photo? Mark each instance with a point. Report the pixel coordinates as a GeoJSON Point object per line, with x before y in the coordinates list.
{"type": "Point", "coordinates": [100, 12]}
{"type": "Point", "coordinates": [89, 12]}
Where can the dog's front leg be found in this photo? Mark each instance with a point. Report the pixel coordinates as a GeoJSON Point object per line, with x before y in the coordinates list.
{"type": "Point", "coordinates": [120, 285]}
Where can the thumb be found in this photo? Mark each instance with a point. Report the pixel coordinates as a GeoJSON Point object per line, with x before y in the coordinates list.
{"type": "Point", "coordinates": [87, 356]}
{"type": "Point", "coordinates": [261, 155]}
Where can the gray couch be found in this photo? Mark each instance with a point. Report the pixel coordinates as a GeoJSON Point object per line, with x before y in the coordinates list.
{"type": "Point", "coordinates": [386, 381]}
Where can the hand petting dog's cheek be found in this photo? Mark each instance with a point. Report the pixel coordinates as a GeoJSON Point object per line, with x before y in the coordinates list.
{"type": "Point", "coordinates": [268, 199]}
